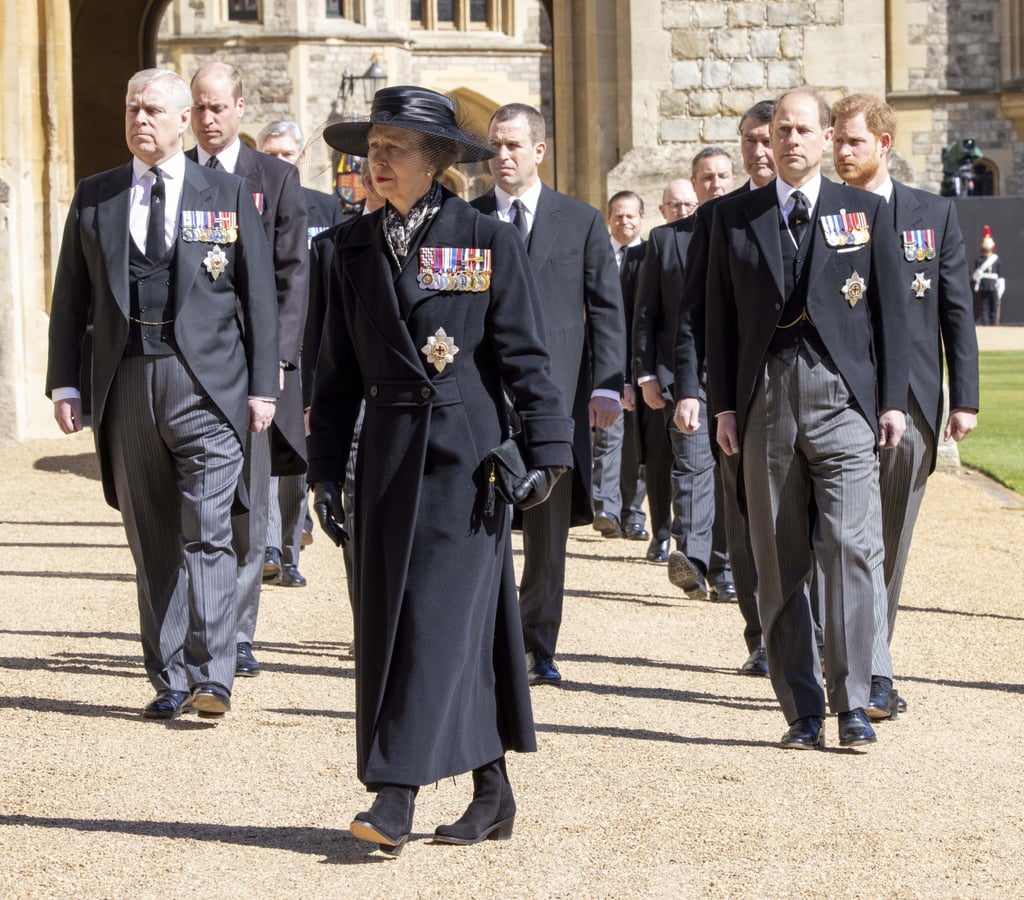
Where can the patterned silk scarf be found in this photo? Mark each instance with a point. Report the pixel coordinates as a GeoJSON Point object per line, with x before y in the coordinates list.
{"type": "Point", "coordinates": [400, 232]}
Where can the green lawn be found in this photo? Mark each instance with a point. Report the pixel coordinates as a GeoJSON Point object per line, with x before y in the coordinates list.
{"type": "Point", "coordinates": [997, 445]}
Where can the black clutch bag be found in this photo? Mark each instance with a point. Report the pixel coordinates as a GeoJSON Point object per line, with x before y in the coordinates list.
{"type": "Point", "coordinates": [504, 468]}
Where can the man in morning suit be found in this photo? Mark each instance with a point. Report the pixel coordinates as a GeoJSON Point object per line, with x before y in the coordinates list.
{"type": "Point", "coordinates": [935, 283]}
{"type": "Point", "coordinates": [700, 552]}
{"type": "Point", "coordinates": [286, 512]}
{"type": "Point", "coordinates": [169, 262]}
{"type": "Point", "coordinates": [619, 486]}
{"type": "Point", "coordinates": [690, 377]}
{"type": "Point", "coordinates": [217, 109]}
{"type": "Point", "coordinates": [585, 332]}
{"type": "Point", "coordinates": [806, 339]}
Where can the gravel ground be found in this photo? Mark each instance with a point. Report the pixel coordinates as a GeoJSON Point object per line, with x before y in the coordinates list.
{"type": "Point", "coordinates": [657, 775]}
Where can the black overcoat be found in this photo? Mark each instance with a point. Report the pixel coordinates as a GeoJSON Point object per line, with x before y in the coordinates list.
{"type": "Point", "coordinates": [440, 671]}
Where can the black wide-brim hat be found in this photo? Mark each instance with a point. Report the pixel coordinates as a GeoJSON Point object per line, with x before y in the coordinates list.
{"type": "Point", "coordinates": [414, 109]}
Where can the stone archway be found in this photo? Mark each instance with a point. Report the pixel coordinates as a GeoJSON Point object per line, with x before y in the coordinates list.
{"type": "Point", "coordinates": [110, 41]}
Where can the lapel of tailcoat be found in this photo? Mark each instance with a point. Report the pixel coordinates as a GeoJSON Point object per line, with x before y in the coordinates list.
{"type": "Point", "coordinates": [112, 227]}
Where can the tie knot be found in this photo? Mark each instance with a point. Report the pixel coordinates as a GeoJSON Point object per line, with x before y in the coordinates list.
{"type": "Point", "coordinates": [800, 214]}
{"type": "Point", "coordinates": [213, 163]}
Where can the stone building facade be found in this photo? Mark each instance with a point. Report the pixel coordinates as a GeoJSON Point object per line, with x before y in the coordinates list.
{"type": "Point", "coordinates": [631, 89]}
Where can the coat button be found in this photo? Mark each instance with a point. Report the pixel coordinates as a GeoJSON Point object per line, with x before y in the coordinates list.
{"type": "Point", "coordinates": [373, 390]}
{"type": "Point", "coordinates": [778, 306]}
{"type": "Point", "coordinates": [425, 393]}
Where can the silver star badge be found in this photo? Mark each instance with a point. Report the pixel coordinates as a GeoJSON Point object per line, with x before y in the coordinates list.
{"type": "Point", "coordinates": [216, 262]}
{"type": "Point", "coordinates": [920, 284]}
{"type": "Point", "coordinates": [853, 290]}
{"type": "Point", "coordinates": [439, 349]}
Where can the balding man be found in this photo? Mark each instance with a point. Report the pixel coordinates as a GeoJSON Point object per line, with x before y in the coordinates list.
{"type": "Point", "coordinates": [217, 110]}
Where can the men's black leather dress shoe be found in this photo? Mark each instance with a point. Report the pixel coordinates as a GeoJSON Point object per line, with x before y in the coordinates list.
{"type": "Point", "coordinates": [807, 733]}
{"type": "Point", "coordinates": [271, 565]}
{"type": "Point", "coordinates": [685, 575]}
{"type": "Point", "coordinates": [291, 576]}
{"type": "Point", "coordinates": [855, 730]}
{"type": "Point", "coordinates": [168, 704]}
{"type": "Point", "coordinates": [884, 702]}
{"type": "Point", "coordinates": [245, 663]}
{"type": "Point", "coordinates": [211, 700]}
{"type": "Point", "coordinates": [901, 704]}
{"type": "Point", "coordinates": [723, 592]}
{"type": "Point", "coordinates": [607, 525]}
{"type": "Point", "coordinates": [542, 669]}
{"type": "Point", "coordinates": [657, 551]}
{"type": "Point", "coordinates": [756, 664]}
{"type": "Point", "coordinates": [635, 531]}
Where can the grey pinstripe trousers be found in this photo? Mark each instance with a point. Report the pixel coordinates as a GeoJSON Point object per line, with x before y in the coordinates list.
{"type": "Point", "coordinates": [286, 515]}
{"type": "Point", "coordinates": [903, 477]}
{"type": "Point", "coordinates": [175, 462]}
{"type": "Point", "coordinates": [806, 446]}
{"type": "Point", "coordinates": [249, 533]}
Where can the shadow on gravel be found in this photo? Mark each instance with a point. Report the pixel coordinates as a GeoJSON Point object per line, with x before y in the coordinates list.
{"type": "Point", "coordinates": [49, 523]}
{"type": "Point", "coordinates": [625, 597]}
{"type": "Point", "coordinates": [88, 635]}
{"type": "Point", "coordinates": [54, 545]}
{"type": "Point", "coordinates": [77, 664]}
{"type": "Point", "coordinates": [83, 464]}
{"type": "Point", "coordinates": [337, 846]}
{"type": "Point", "coordinates": [645, 734]}
{"type": "Point", "coordinates": [69, 707]}
{"type": "Point", "coordinates": [960, 612]}
{"type": "Point", "coordinates": [78, 576]}
{"type": "Point", "coordinates": [755, 704]}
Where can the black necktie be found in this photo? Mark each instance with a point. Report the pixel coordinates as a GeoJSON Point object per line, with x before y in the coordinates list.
{"type": "Point", "coordinates": [799, 216]}
{"type": "Point", "coordinates": [213, 163]}
{"type": "Point", "coordinates": [519, 219]}
{"type": "Point", "coordinates": [156, 241]}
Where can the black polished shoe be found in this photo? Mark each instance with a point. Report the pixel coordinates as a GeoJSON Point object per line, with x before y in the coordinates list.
{"type": "Point", "coordinates": [388, 823]}
{"type": "Point", "coordinates": [884, 702]}
{"type": "Point", "coordinates": [168, 704]}
{"type": "Point", "coordinates": [756, 664]}
{"type": "Point", "coordinates": [211, 700]}
{"type": "Point", "coordinates": [901, 704]}
{"type": "Point", "coordinates": [245, 663]}
{"type": "Point", "coordinates": [657, 551]}
{"type": "Point", "coordinates": [685, 575]}
{"type": "Point", "coordinates": [291, 576]}
{"type": "Point", "coordinates": [855, 730]}
{"type": "Point", "coordinates": [723, 592]}
{"type": "Point", "coordinates": [491, 813]}
{"type": "Point", "coordinates": [607, 525]}
{"type": "Point", "coordinates": [635, 531]}
{"type": "Point", "coordinates": [542, 669]}
{"type": "Point", "coordinates": [807, 733]}
{"type": "Point", "coordinates": [271, 565]}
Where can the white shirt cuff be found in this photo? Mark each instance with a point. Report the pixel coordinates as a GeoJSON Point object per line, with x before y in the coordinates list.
{"type": "Point", "coordinates": [65, 393]}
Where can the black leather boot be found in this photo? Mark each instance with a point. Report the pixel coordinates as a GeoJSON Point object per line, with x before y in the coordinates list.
{"type": "Point", "coordinates": [491, 813]}
{"type": "Point", "coordinates": [388, 823]}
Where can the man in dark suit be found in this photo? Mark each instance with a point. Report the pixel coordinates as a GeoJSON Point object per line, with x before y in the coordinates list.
{"type": "Point", "coordinates": [619, 485]}
{"type": "Point", "coordinates": [700, 552]}
{"type": "Point", "coordinates": [935, 282]}
{"type": "Point", "coordinates": [806, 338]}
{"type": "Point", "coordinates": [690, 380]}
{"type": "Point", "coordinates": [217, 110]}
{"type": "Point", "coordinates": [165, 258]}
{"type": "Point", "coordinates": [286, 514]}
{"type": "Point", "coordinates": [585, 332]}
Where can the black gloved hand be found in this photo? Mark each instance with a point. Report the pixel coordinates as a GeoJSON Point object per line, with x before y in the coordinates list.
{"type": "Point", "coordinates": [329, 511]}
{"type": "Point", "coordinates": [536, 486]}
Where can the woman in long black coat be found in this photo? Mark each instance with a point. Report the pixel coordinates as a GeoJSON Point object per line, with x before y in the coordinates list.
{"type": "Point", "coordinates": [432, 315]}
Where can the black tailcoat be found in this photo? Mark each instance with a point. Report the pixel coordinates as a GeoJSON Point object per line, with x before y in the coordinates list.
{"type": "Point", "coordinates": [225, 328]}
{"type": "Point", "coordinates": [745, 298]}
{"type": "Point", "coordinates": [940, 323]}
{"type": "Point", "coordinates": [441, 684]}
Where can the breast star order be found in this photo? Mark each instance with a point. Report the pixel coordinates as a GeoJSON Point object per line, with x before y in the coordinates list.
{"type": "Point", "coordinates": [439, 349]}
{"type": "Point", "coordinates": [216, 262]}
{"type": "Point", "coordinates": [920, 284]}
{"type": "Point", "coordinates": [853, 289]}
